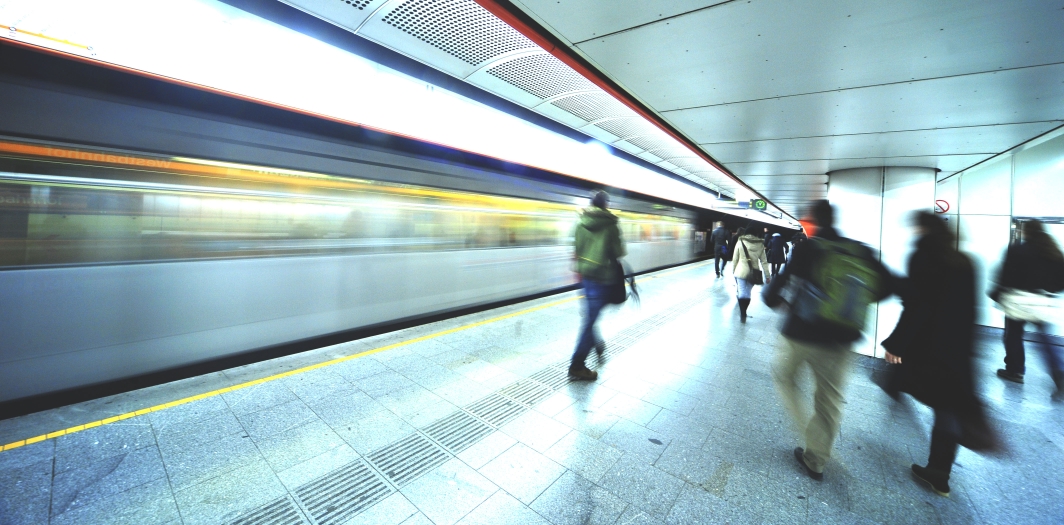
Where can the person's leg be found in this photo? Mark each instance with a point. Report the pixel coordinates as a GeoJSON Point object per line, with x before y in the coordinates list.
{"type": "Point", "coordinates": [1014, 354]}
{"type": "Point", "coordinates": [718, 254]}
{"type": "Point", "coordinates": [789, 359]}
{"type": "Point", "coordinates": [742, 292]}
{"type": "Point", "coordinates": [594, 301]}
{"type": "Point", "coordinates": [944, 446]}
{"type": "Point", "coordinates": [831, 368]}
{"type": "Point", "coordinates": [1054, 359]}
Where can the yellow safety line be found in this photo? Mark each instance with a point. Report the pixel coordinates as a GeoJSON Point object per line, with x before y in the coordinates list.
{"type": "Point", "coordinates": [46, 37]}
{"type": "Point", "coordinates": [290, 373]}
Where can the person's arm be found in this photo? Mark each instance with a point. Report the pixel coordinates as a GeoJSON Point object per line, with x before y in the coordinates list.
{"type": "Point", "coordinates": [916, 309]}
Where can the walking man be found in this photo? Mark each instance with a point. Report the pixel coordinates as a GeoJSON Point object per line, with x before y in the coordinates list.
{"type": "Point", "coordinates": [719, 238]}
{"type": "Point", "coordinates": [839, 278]}
{"type": "Point", "coordinates": [598, 246]}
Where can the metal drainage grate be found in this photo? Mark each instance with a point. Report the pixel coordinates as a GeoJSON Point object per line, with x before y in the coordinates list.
{"type": "Point", "coordinates": [344, 492]}
{"type": "Point", "coordinates": [280, 512]}
{"type": "Point", "coordinates": [526, 392]}
{"type": "Point", "coordinates": [408, 458]}
{"type": "Point", "coordinates": [457, 431]}
{"type": "Point", "coordinates": [496, 410]}
{"type": "Point", "coordinates": [552, 377]}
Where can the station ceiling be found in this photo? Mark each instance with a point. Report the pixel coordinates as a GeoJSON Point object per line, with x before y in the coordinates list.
{"type": "Point", "coordinates": [782, 92]}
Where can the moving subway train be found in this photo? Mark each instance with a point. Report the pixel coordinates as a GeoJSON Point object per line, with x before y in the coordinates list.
{"type": "Point", "coordinates": [117, 263]}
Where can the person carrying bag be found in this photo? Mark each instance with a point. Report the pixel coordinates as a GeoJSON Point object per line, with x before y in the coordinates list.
{"type": "Point", "coordinates": [749, 253]}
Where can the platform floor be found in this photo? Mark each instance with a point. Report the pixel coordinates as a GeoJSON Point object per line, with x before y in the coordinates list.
{"type": "Point", "coordinates": [472, 421]}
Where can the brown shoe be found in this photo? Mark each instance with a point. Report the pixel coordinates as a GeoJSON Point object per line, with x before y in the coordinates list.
{"type": "Point", "coordinates": [582, 374]}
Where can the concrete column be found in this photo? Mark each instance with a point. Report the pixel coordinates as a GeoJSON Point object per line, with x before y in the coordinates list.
{"type": "Point", "coordinates": [874, 205]}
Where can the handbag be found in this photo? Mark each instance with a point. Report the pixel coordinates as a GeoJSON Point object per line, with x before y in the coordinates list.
{"type": "Point", "coordinates": [755, 277]}
{"type": "Point", "coordinates": [1027, 306]}
{"type": "Point", "coordinates": [618, 291]}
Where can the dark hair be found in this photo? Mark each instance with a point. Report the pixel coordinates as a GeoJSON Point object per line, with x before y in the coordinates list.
{"type": "Point", "coordinates": [600, 199]}
{"type": "Point", "coordinates": [822, 212]}
{"type": "Point", "coordinates": [1035, 235]}
{"type": "Point", "coordinates": [938, 239]}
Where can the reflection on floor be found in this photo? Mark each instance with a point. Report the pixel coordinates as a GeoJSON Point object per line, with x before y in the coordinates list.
{"type": "Point", "coordinates": [480, 425]}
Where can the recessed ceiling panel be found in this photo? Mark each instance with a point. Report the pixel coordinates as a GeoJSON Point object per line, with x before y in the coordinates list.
{"type": "Point", "coordinates": [949, 141]}
{"type": "Point", "coordinates": [578, 20]}
{"type": "Point", "coordinates": [742, 51]}
{"type": "Point", "coordinates": [1018, 96]}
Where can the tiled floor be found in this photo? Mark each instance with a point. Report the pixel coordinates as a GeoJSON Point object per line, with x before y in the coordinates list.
{"type": "Point", "coordinates": [683, 426]}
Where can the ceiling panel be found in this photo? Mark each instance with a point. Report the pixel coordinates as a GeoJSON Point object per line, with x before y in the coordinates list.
{"type": "Point", "coordinates": [949, 141]}
{"type": "Point", "coordinates": [768, 48]}
{"type": "Point", "coordinates": [578, 20]}
{"type": "Point", "coordinates": [1017, 96]}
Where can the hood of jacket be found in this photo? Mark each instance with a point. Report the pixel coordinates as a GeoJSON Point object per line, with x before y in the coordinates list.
{"type": "Point", "coordinates": [595, 219]}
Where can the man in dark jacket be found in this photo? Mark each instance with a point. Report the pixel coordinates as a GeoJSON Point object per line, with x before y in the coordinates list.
{"type": "Point", "coordinates": [719, 238]}
{"type": "Point", "coordinates": [597, 245]}
{"type": "Point", "coordinates": [824, 345]}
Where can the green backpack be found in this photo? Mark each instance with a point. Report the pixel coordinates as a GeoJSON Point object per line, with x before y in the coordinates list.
{"type": "Point", "coordinates": [843, 285]}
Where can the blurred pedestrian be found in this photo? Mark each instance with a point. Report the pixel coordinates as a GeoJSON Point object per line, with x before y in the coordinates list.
{"type": "Point", "coordinates": [719, 240]}
{"type": "Point", "coordinates": [837, 280]}
{"type": "Point", "coordinates": [777, 253]}
{"type": "Point", "coordinates": [598, 246]}
{"type": "Point", "coordinates": [749, 266]}
{"type": "Point", "coordinates": [933, 345]}
{"type": "Point", "coordinates": [1033, 269]}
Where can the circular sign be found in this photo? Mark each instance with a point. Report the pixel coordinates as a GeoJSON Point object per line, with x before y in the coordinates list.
{"type": "Point", "coordinates": [760, 204]}
{"type": "Point", "coordinates": [941, 206]}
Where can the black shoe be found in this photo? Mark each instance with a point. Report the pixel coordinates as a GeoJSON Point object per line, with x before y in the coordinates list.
{"type": "Point", "coordinates": [799, 454]}
{"type": "Point", "coordinates": [1010, 376]}
{"type": "Point", "coordinates": [582, 374]}
{"type": "Point", "coordinates": [937, 480]}
{"type": "Point", "coordinates": [1058, 378]}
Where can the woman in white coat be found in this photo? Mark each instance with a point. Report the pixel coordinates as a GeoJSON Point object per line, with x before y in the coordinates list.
{"type": "Point", "coordinates": [748, 258]}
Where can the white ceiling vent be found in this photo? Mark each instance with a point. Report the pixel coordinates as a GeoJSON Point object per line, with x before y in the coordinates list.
{"type": "Point", "coordinates": [357, 4]}
{"type": "Point", "coordinates": [627, 127]}
{"type": "Point", "coordinates": [541, 75]}
{"type": "Point", "coordinates": [460, 28]}
{"type": "Point", "coordinates": [593, 106]}
{"type": "Point", "coordinates": [652, 143]}
{"type": "Point", "coordinates": [691, 164]}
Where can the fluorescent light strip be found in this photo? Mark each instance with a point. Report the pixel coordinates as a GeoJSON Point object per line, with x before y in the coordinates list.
{"type": "Point", "coordinates": [215, 45]}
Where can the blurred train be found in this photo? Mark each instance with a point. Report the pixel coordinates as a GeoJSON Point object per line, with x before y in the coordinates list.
{"type": "Point", "coordinates": [118, 263]}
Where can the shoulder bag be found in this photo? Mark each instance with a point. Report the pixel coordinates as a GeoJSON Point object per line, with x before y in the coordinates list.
{"type": "Point", "coordinates": [755, 277]}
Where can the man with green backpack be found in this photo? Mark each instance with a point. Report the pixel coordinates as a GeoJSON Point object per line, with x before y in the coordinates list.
{"type": "Point", "coordinates": [835, 280]}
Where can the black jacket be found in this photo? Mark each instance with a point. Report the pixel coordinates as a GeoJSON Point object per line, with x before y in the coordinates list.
{"type": "Point", "coordinates": [936, 331]}
{"type": "Point", "coordinates": [719, 237]}
{"type": "Point", "coordinates": [777, 250]}
{"type": "Point", "coordinates": [804, 259]}
{"type": "Point", "coordinates": [1025, 269]}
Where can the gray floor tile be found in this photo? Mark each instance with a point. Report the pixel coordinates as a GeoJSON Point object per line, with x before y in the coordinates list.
{"type": "Point", "coordinates": [25, 492]}
{"type": "Point", "coordinates": [636, 516]}
{"type": "Point", "coordinates": [85, 447]}
{"type": "Point", "coordinates": [678, 402]}
{"type": "Point", "coordinates": [502, 509]}
{"type": "Point", "coordinates": [642, 485]}
{"type": "Point", "coordinates": [586, 456]}
{"type": "Point", "coordinates": [358, 368]}
{"type": "Point", "coordinates": [258, 397]}
{"type": "Point", "coordinates": [150, 503]}
{"type": "Point", "coordinates": [384, 383]}
{"type": "Point", "coordinates": [277, 419]}
{"type": "Point", "coordinates": [344, 410]}
{"type": "Point", "coordinates": [27, 455]}
{"type": "Point", "coordinates": [182, 417]}
{"type": "Point", "coordinates": [695, 505]}
{"type": "Point", "coordinates": [631, 408]}
{"type": "Point", "coordinates": [593, 424]}
{"type": "Point", "coordinates": [317, 384]}
{"type": "Point", "coordinates": [486, 449]}
{"type": "Point", "coordinates": [535, 430]}
{"type": "Point", "coordinates": [409, 401]}
{"type": "Point", "coordinates": [317, 466]}
{"type": "Point", "coordinates": [418, 519]}
{"type": "Point", "coordinates": [189, 465]}
{"type": "Point", "coordinates": [373, 432]}
{"type": "Point", "coordinates": [229, 495]}
{"type": "Point", "coordinates": [98, 480]}
{"type": "Point", "coordinates": [294, 446]}
{"type": "Point", "coordinates": [522, 472]}
{"type": "Point", "coordinates": [637, 440]}
{"type": "Point", "coordinates": [554, 404]}
{"type": "Point", "coordinates": [449, 492]}
{"type": "Point", "coordinates": [573, 500]}
{"type": "Point", "coordinates": [433, 376]}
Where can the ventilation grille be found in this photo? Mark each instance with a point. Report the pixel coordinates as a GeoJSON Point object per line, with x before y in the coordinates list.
{"type": "Point", "coordinates": [407, 459]}
{"type": "Point", "coordinates": [672, 153]}
{"type": "Point", "coordinates": [279, 512]}
{"type": "Point", "coordinates": [526, 392]}
{"type": "Point", "coordinates": [593, 106]}
{"type": "Point", "coordinates": [541, 75]}
{"type": "Point", "coordinates": [460, 28]}
{"type": "Point", "coordinates": [691, 164]}
{"type": "Point", "coordinates": [337, 496]}
{"type": "Point", "coordinates": [457, 431]}
{"type": "Point", "coordinates": [627, 127]}
{"type": "Point", "coordinates": [652, 143]}
{"type": "Point", "coordinates": [496, 410]}
{"type": "Point", "coordinates": [552, 377]}
{"type": "Point", "coordinates": [357, 4]}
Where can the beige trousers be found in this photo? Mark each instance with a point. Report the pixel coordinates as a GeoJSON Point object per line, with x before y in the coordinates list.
{"type": "Point", "coordinates": [830, 363]}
